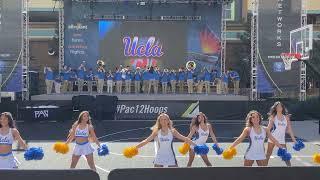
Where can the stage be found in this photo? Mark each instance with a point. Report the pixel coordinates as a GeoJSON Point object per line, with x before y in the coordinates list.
{"type": "Point", "coordinates": [147, 97]}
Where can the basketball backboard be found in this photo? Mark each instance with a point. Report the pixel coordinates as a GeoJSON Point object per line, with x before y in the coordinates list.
{"type": "Point", "coordinates": [301, 41]}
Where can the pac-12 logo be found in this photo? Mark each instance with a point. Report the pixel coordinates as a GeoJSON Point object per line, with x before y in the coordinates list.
{"type": "Point", "coordinates": [142, 48]}
{"type": "Point", "coordinates": [42, 113]}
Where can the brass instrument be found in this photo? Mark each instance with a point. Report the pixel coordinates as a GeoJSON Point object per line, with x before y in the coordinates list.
{"type": "Point", "coordinates": [191, 65]}
{"type": "Point", "coordinates": [100, 65]}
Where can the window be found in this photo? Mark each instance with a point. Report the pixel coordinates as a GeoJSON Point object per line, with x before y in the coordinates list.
{"type": "Point", "coordinates": [230, 11]}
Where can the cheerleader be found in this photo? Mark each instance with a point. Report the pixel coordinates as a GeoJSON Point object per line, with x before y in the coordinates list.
{"type": "Point", "coordinates": [279, 124]}
{"type": "Point", "coordinates": [8, 133]}
{"type": "Point", "coordinates": [202, 129]}
{"type": "Point", "coordinates": [81, 131]}
{"type": "Point", "coordinates": [163, 133]}
{"type": "Point", "coordinates": [257, 135]}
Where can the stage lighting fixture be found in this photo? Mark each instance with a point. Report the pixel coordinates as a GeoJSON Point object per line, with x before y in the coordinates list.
{"type": "Point", "coordinates": [51, 52]}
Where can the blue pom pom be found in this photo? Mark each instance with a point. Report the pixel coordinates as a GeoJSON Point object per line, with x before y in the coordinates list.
{"type": "Point", "coordinates": [286, 157]}
{"type": "Point", "coordinates": [302, 145]}
{"type": "Point", "coordinates": [219, 151]}
{"type": "Point", "coordinates": [298, 145]}
{"type": "Point", "coordinates": [34, 153]}
{"type": "Point", "coordinates": [216, 148]}
{"type": "Point", "coordinates": [281, 152]}
{"type": "Point", "coordinates": [295, 147]}
{"type": "Point", "coordinates": [201, 149]}
{"type": "Point", "coordinates": [103, 151]}
{"type": "Point", "coordinates": [28, 155]}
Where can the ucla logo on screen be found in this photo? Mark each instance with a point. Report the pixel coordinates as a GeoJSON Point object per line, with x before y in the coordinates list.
{"type": "Point", "coordinates": [78, 26]}
{"type": "Point", "coordinates": [135, 48]}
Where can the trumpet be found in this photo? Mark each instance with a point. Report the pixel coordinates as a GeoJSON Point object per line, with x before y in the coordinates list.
{"type": "Point", "coordinates": [191, 65]}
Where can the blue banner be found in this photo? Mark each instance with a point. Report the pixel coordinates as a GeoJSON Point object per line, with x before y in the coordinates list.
{"type": "Point", "coordinates": [10, 45]}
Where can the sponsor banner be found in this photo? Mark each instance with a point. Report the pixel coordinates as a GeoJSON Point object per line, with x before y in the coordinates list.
{"type": "Point", "coordinates": [45, 111]}
{"type": "Point", "coordinates": [149, 110]}
{"type": "Point", "coordinates": [238, 110]}
{"type": "Point", "coordinates": [276, 19]}
{"type": "Point", "coordinates": [225, 110]}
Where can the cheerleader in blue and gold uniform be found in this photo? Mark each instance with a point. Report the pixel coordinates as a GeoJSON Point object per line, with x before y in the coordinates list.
{"type": "Point", "coordinates": [81, 131]}
{"type": "Point", "coordinates": [8, 134]}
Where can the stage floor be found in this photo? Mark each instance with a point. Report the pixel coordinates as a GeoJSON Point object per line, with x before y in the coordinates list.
{"type": "Point", "coordinates": [119, 134]}
{"type": "Point", "coordinates": [155, 97]}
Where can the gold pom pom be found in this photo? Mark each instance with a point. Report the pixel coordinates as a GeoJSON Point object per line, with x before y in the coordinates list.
{"type": "Point", "coordinates": [316, 158]}
{"type": "Point", "coordinates": [233, 151]}
{"type": "Point", "coordinates": [129, 152]}
{"type": "Point", "coordinates": [61, 147]}
{"type": "Point", "coordinates": [184, 149]}
{"type": "Point", "coordinates": [229, 153]}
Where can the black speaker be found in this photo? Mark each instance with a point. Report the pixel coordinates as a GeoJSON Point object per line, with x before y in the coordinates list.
{"type": "Point", "coordinates": [34, 83]}
{"type": "Point", "coordinates": [83, 103]}
{"type": "Point", "coordinates": [106, 107]}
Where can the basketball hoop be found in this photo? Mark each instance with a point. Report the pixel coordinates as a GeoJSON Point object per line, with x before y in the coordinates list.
{"type": "Point", "coordinates": [289, 58]}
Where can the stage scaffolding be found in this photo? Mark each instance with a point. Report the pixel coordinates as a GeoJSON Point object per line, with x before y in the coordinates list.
{"type": "Point", "coordinates": [25, 58]}
{"type": "Point", "coordinates": [303, 68]}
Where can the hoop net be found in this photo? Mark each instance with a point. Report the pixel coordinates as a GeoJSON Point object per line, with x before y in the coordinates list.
{"type": "Point", "coordinates": [288, 58]}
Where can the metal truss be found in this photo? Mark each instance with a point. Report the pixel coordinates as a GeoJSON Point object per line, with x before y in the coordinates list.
{"type": "Point", "coordinates": [254, 51]}
{"type": "Point", "coordinates": [25, 58]}
{"type": "Point", "coordinates": [61, 35]}
{"type": "Point", "coordinates": [303, 68]}
{"type": "Point", "coordinates": [223, 38]}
